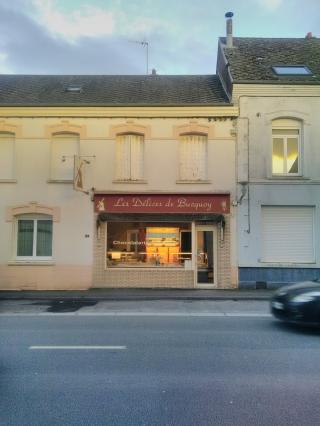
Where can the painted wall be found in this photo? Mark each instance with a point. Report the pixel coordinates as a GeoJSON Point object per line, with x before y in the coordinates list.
{"type": "Point", "coordinates": [73, 233]}
{"type": "Point", "coordinates": [254, 165]}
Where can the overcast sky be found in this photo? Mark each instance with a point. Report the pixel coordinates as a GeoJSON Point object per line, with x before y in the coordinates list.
{"type": "Point", "coordinates": [98, 36]}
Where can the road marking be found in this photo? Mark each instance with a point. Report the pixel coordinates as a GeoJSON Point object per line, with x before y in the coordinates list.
{"type": "Point", "coordinates": [143, 314]}
{"type": "Point", "coordinates": [78, 347]}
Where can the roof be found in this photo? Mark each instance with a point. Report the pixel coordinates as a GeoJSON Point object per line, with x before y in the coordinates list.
{"type": "Point", "coordinates": [111, 90]}
{"type": "Point", "coordinates": [251, 59]}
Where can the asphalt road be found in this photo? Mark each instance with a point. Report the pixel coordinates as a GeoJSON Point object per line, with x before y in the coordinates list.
{"type": "Point", "coordinates": [146, 369]}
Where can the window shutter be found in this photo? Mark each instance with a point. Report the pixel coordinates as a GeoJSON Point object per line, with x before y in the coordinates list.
{"type": "Point", "coordinates": [63, 149]}
{"type": "Point", "coordinates": [287, 234]}
{"type": "Point", "coordinates": [129, 157]}
{"type": "Point", "coordinates": [6, 155]}
{"type": "Point", "coordinates": [193, 157]}
{"type": "Point", "coordinates": [137, 155]}
{"type": "Point", "coordinates": [184, 158]}
{"type": "Point", "coordinates": [123, 157]}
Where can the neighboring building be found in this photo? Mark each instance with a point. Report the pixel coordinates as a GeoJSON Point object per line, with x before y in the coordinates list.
{"type": "Point", "coordinates": [276, 84]}
{"type": "Point", "coordinates": [157, 156]}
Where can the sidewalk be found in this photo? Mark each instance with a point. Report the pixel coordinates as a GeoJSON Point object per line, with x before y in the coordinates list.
{"type": "Point", "coordinates": [137, 294]}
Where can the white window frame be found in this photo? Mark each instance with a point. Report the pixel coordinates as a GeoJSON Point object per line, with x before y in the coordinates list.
{"type": "Point", "coordinates": [135, 169]}
{"type": "Point", "coordinates": [285, 137]}
{"type": "Point", "coordinates": [35, 219]}
{"type": "Point", "coordinates": [184, 176]}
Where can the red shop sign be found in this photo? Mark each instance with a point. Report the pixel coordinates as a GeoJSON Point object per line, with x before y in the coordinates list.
{"type": "Point", "coordinates": [164, 203]}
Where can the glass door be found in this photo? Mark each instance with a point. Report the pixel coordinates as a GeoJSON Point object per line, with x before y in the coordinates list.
{"type": "Point", "coordinates": [206, 256]}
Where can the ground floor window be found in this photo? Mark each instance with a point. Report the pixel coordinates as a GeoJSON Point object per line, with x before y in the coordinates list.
{"type": "Point", "coordinates": [34, 237]}
{"type": "Point", "coordinates": [136, 244]}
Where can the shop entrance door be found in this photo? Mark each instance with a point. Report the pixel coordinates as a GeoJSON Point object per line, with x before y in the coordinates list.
{"type": "Point", "coordinates": [206, 254]}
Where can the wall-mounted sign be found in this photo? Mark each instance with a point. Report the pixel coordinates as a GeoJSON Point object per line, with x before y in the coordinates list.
{"type": "Point", "coordinates": [164, 203]}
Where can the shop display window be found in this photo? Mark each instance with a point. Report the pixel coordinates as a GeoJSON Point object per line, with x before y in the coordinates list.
{"type": "Point", "coordinates": [136, 244]}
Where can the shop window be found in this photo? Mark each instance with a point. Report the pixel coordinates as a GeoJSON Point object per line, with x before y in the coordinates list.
{"type": "Point", "coordinates": [64, 147]}
{"type": "Point", "coordinates": [193, 157]}
{"type": "Point", "coordinates": [155, 245]}
{"type": "Point", "coordinates": [34, 237]}
{"type": "Point", "coordinates": [6, 155]}
{"type": "Point", "coordinates": [286, 147]}
{"type": "Point", "coordinates": [129, 157]}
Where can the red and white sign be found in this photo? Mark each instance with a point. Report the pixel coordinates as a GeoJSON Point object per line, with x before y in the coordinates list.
{"type": "Point", "coordinates": [164, 203]}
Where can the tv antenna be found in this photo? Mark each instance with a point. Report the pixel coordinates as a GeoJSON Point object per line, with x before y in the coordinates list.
{"type": "Point", "coordinates": [145, 44]}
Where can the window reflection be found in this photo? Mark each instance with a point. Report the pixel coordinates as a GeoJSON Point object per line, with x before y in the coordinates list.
{"type": "Point", "coordinates": [132, 244]}
{"type": "Point", "coordinates": [285, 151]}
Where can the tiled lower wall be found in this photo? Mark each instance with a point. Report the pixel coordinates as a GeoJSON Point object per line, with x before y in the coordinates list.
{"type": "Point", "coordinates": [147, 278]}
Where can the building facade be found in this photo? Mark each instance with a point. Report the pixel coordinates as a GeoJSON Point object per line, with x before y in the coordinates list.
{"type": "Point", "coordinates": [276, 85]}
{"type": "Point", "coordinates": [101, 191]}
{"type": "Point", "coordinates": [165, 181]}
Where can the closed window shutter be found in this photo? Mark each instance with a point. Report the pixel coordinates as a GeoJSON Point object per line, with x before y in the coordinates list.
{"type": "Point", "coordinates": [136, 157]}
{"type": "Point", "coordinates": [184, 158]}
{"type": "Point", "coordinates": [129, 157]}
{"type": "Point", "coordinates": [287, 234]}
{"type": "Point", "coordinates": [63, 149]}
{"type": "Point", "coordinates": [193, 157]}
{"type": "Point", "coordinates": [6, 155]}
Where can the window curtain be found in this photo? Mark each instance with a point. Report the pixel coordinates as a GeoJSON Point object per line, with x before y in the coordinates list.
{"type": "Point", "coordinates": [25, 238]}
{"type": "Point", "coordinates": [44, 238]}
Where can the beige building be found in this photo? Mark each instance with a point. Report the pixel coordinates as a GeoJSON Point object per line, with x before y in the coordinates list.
{"type": "Point", "coordinates": [116, 181]}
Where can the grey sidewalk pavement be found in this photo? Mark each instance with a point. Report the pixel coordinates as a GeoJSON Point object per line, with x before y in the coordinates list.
{"type": "Point", "coordinates": [126, 294]}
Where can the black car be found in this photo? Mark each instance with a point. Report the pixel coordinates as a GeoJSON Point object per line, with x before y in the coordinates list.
{"type": "Point", "coordinates": [298, 303]}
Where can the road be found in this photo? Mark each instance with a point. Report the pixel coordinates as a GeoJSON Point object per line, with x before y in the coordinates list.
{"type": "Point", "coordinates": [156, 363]}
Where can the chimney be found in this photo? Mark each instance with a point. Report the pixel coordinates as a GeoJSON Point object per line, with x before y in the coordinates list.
{"type": "Point", "coordinates": [309, 35]}
{"type": "Point", "coordinates": [229, 16]}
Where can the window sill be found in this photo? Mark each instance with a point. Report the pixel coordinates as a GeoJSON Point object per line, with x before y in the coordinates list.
{"type": "Point", "coordinates": [31, 263]}
{"type": "Point", "coordinates": [139, 181]}
{"type": "Point", "coordinates": [59, 181]}
{"type": "Point", "coordinates": [286, 264]}
{"type": "Point", "coordinates": [8, 181]}
{"type": "Point", "coordinates": [193, 181]}
{"type": "Point", "coordinates": [287, 177]}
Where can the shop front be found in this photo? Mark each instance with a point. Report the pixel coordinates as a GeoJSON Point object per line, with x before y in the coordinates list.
{"type": "Point", "coordinates": [162, 240]}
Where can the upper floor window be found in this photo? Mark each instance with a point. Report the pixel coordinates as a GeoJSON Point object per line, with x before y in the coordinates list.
{"type": "Point", "coordinates": [34, 237]}
{"type": "Point", "coordinates": [6, 155]}
{"type": "Point", "coordinates": [64, 146]}
{"type": "Point", "coordinates": [286, 147]}
{"type": "Point", "coordinates": [193, 157]}
{"type": "Point", "coordinates": [129, 157]}
{"type": "Point", "coordinates": [292, 70]}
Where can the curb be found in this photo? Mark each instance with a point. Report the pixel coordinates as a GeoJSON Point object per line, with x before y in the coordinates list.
{"type": "Point", "coordinates": [18, 295]}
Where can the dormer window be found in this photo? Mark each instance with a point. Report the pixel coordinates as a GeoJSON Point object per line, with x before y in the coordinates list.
{"type": "Point", "coordinates": [291, 70]}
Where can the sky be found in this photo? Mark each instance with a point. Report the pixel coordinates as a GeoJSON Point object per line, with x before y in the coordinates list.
{"type": "Point", "coordinates": [105, 36]}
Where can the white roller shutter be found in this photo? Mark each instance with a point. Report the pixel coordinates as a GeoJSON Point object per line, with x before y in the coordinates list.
{"type": "Point", "coordinates": [287, 234]}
